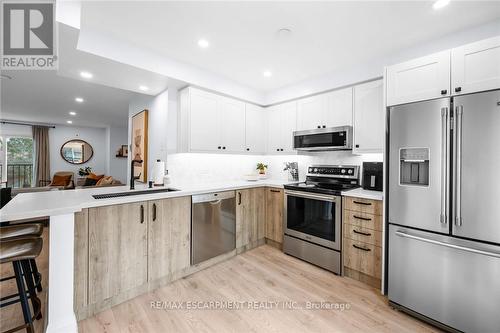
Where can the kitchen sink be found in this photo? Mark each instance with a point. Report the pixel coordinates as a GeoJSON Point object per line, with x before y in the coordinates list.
{"type": "Point", "coordinates": [128, 194]}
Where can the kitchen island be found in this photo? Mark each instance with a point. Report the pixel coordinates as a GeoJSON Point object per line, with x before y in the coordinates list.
{"type": "Point", "coordinates": [63, 206]}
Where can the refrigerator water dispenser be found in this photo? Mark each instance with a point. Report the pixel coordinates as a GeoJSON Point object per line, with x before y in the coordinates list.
{"type": "Point", "coordinates": [414, 166]}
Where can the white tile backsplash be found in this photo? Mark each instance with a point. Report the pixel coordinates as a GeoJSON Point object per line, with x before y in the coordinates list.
{"type": "Point", "coordinates": [217, 167]}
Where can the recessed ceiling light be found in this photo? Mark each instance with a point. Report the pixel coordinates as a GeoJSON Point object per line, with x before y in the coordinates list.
{"type": "Point", "coordinates": [86, 75]}
{"type": "Point", "coordinates": [69, 121]}
{"type": "Point", "coordinates": [72, 113]}
{"type": "Point", "coordinates": [203, 43]}
{"type": "Point", "coordinates": [143, 88]}
{"type": "Point", "coordinates": [440, 4]}
{"type": "Point", "coordinates": [79, 99]}
{"type": "Point", "coordinates": [267, 73]}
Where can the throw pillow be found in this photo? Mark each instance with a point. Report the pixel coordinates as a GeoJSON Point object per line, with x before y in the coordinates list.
{"type": "Point", "coordinates": [94, 176]}
{"type": "Point", "coordinates": [90, 182]}
{"type": "Point", "coordinates": [106, 180]}
{"type": "Point", "coordinates": [58, 180]}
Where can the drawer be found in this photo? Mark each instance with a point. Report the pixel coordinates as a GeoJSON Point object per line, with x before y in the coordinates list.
{"type": "Point", "coordinates": [364, 220]}
{"type": "Point", "coordinates": [363, 234]}
{"type": "Point", "coordinates": [363, 205]}
{"type": "Point", "coordinates": [363, 257]}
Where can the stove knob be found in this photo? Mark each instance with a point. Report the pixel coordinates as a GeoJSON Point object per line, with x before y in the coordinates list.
{"type": "Point", "coordinates": [342, 171]}
{"type": "Point", "coordinates": [349, 171]}
{"type": "Point", "coordinates": [316, 170]}
{"type": "Point", "coordinates": [310, 170]}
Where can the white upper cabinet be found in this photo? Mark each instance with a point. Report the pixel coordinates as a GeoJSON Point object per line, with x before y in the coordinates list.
{"type": "Point", "coordinates": [325, 110]}
{"type": "Point", "coordinates": [212, 123]}
{"type": "Point", "coordinates": [311, 112]}
{"type": "Point", "coordinates": [231, 119]}
{"type": "Point", "coordinates": [339, 108]}
{"type": "Point", "coordinates": [281, 123]}
{"type": "Point", "coordinates": [255, 129]}
{"type": "Point", "coordinates": [476, 67]}
{"type": "Point", "coordinates": [203, 120]}
{"type": "Point", "coordinates": [289, 114]}
{"type": "Point", "coordinates": [368, 118]}
{"type": "Point", "coordinates": [419, 79]}
{"type": "Point", "coordinates": [274, 129]}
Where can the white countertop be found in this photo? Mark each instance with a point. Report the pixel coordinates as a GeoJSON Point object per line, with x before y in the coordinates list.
{"type": "Point", "coordinates": [365, 194]}
{"type": "Point", "coordinates": [50, 203]}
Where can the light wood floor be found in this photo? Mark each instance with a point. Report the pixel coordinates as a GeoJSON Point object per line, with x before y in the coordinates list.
{"type": "Point", "coordinates": [263, 274]}
{"type": "Point", "coordinates": [12, 316]}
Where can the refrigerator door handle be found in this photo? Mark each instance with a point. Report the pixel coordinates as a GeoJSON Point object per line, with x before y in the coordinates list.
{"type": "Point", "coordinates": [453, 246]}
{"type": "Point", "coordinates": [445, 147]}
{"type": "Point", "coordinates": [458, 165]}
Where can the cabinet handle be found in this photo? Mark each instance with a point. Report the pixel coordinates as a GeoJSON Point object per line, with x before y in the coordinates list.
{"type": "Point", "coordinates": [154, 212]}
{"type": "Point", "coordinates": [363, 203]}
{"type": "Point", "coordinates": [239, 198]}
{"type": "Point", "coordinates": [361, 233]}
{"type": "Point", "coordinates": [361, 218]}
{"type": "Point", "coordinates": [142, 214]}
{"type": "Point", "coordinates": [361, 248]}
{"type": "Point", "coordinates": [219, 147]}
{"type": "Point", "coordinates": [275, 191]}
{"type": "Point", "coordinates": [444, 91]}
{"type": "Point", "coordinates": [458, 89]}
{"type": "Point", "coordinates": [357, 146]}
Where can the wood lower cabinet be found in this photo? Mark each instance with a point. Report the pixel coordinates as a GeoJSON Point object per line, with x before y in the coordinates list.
{"type": "Point", "coordinates": [118, 249]}
{"type": "Point", "coordinates": [169, 236]}
{"type": "Point", "coordinates": [250, 217]}
{"type": "Point", "coordinates": [362, 240]}
{"type": "Point", "coordinates": [274, 215]}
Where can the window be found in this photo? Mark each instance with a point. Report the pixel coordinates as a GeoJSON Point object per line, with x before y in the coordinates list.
{"type": "Point", "coordinates": [16, 164]}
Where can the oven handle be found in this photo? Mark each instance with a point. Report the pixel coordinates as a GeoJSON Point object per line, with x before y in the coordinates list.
{"type": "Point", "coordinates": [330, 198]}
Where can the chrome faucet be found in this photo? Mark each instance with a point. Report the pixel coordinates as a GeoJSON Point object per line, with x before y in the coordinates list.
{"type": "Point", "coordinates": [132, 177]}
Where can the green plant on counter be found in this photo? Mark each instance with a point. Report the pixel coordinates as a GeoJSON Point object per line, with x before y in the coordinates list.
{"type": "Point", "coordinates": [261, 167]}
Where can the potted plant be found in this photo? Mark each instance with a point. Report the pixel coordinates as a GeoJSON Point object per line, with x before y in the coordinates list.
{"type": "Point", "coordinates": [83, 172]}
{"type": "Point", "coordinates": [262, 168]}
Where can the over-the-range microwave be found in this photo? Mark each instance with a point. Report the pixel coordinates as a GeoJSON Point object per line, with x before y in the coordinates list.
{"type": "Point", "coordinates": [320, 139]}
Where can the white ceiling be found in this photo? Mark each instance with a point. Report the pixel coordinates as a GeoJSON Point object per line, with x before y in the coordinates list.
{"type": "Point", "coordinates": [43, 96]}
{"type": "Point", "coordinates": [48, 96]}
{"type": "Point", "coordinates": [326, 36]}
{"type": "Point", "coordinates": [106, 72]}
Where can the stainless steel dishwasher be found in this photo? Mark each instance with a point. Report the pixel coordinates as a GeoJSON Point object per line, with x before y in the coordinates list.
{"type": "Point", "coordinates": [213, 225]}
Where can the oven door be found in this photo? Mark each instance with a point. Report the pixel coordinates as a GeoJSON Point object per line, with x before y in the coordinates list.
{"type": "Point", "coordinates": [313, 217]}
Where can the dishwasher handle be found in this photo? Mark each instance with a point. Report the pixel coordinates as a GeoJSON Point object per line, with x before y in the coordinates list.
{"type": "Point", "coordinates": [213, 198]}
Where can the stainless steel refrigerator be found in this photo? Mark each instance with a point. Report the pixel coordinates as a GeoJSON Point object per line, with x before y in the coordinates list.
{"type": "Point", "coordinates": [444, 211]}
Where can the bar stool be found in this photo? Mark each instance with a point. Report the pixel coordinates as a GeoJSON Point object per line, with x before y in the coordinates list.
{"type": "Point", "coordinates": [11, 232]}
{"type": "Point", "coordinates": [19, 252]}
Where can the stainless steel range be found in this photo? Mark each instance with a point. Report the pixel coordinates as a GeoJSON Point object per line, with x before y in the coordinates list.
{"type": "Point", "coordinates": [313, 214]}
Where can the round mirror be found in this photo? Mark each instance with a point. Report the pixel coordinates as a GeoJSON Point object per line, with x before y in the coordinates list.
{"type": "Point", "coordinates": [76, 151]}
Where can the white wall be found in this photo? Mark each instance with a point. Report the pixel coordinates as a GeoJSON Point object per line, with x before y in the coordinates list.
{"type": "Point", "coordinates": [96, 137]}
{"type": "Point", "coordinates": [116, 166]}
{"type": "Point", "coordinates": [158, 128]}
{"type": "Point", "coordinates": [186, 167]}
